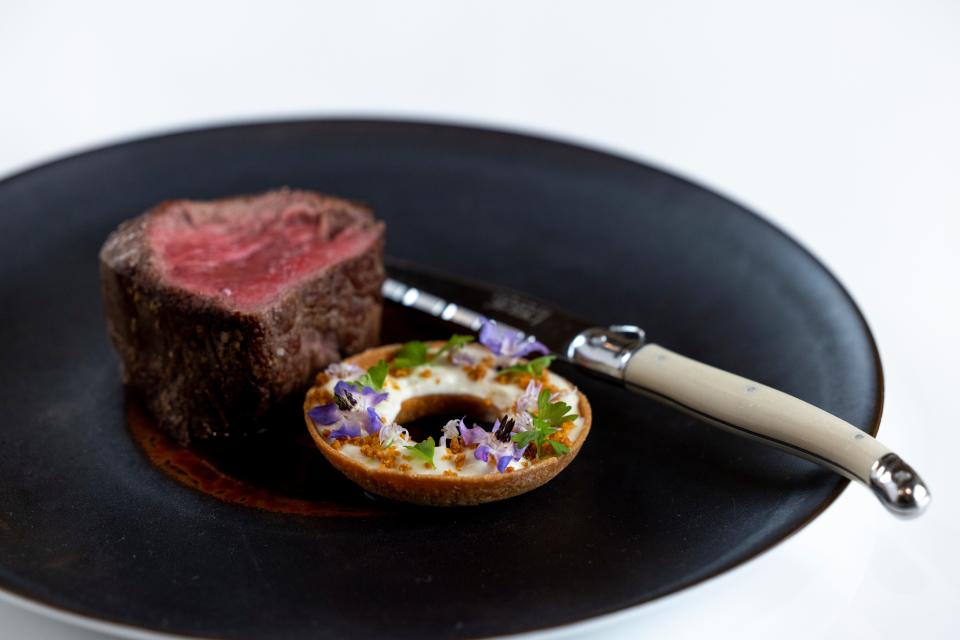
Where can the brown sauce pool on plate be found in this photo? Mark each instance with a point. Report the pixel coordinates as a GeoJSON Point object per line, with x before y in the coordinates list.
{"type": "Point", "coordinates": [280, 472]}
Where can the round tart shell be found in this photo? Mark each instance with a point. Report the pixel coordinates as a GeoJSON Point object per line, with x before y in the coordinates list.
{"type": "Point", "coordinates": [439, 490]}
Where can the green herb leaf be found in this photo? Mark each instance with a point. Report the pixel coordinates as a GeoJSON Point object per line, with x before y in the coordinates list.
{"type": "Point", "coordinates": [526, 437]}
{"type": "Point", "coordinates": [553, 413]}
{"type": "Point", "coordinates": [373, 378]}
{"type": "Point", "coordinates": [423, 449]}
{"type": "Point", "coordinates": [550, 416]}
{"type": "Point", "coordinates": [558, 447]}
{"type": "Point", "coordinates": [411, 354]}
{"type": "Point", "coordinates": [454, 344]}
{"type": "Point", "coordinates": [535, 367]}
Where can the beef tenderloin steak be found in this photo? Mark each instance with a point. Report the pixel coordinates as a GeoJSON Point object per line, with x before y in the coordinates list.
{"type": "Point", "coordinates": [220, 310]}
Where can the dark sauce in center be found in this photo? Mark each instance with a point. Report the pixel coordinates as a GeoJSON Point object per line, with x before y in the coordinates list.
{"type": "Point", "coordinates": [432, 425]}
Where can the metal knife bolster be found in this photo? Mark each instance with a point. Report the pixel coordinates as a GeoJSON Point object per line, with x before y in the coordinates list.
{"type": "Point", "coordinates": [606, 351]}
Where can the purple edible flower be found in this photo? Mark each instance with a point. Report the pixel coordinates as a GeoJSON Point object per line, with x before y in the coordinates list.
{"type": "Point", "coordinates": [523, 421]}
{"type": "Point", "coordinates": [390, 432]}
{"type": "Point", "coordinates": [351, 412]}
{"type": "Point", "coordinates": [324, 415]}
{"type": "Point", "coordinates": [343, 370]}
{"type": "Point", "coordinates": [461, 358]}
{"type": "Point", "coordinates": [528, 399]}
{"type": "Point", "coordinates": [348, 399]}
{"type": "Point", "coordinates": [472, 435]}
{"type": "Point", "coordinates": [451, 430]}
{"type": "Point", "coordinates": [508, 344]}
{"type": "Point", "coordinates": [497, 443]}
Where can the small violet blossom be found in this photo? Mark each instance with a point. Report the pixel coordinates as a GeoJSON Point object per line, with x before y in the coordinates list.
{"type": "Point", "coordinates": [497, 443]}
{"type": "Point", "coordinates": [527, 401]}
{"type": "Point", "coordinates": [390, 432]}
{"type": "Point", "coordinates": [525, 406]}
{"type": "Point", "coordinates": [351, 413]}
{"type": "Point", "coordinates": [451, 430]}
{"type": "Point", "coordinates": [343, 370]}
{"type": "Point", "coordinates": [461, 358]}
{"type": "Point", "coordinates": [508, 344]}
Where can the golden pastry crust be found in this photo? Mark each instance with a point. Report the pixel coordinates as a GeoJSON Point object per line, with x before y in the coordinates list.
{"type": "Point", "coordinates": [444, 489]}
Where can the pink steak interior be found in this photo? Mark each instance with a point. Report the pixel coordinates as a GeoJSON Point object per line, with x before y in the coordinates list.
{"type": "Point", "coordinates": [249, 259]}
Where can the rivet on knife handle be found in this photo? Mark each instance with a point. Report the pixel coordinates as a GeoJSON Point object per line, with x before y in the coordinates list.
{"type": "Point", "coordinates": [752, 409]}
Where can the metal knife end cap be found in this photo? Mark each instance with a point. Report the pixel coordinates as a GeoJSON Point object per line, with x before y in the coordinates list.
{"type": "Point", "coordinates": [899, 487]}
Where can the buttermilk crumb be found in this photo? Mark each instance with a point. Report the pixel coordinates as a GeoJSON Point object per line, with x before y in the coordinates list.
{"type": "Point", "coordinates": [476, 371]}
{"type": "Point", "coordinates": [563, 436]}
{"type": "Point", "coordinates": [450, 473]}
{"type": "Point", "coordinates": [319, 395]}
{"type": "Point", "coordinates": [387, 457]}
{"type": "Point", "coordinates": [521, 378]}
{"type": "Point", "coordinates": [426, 373]}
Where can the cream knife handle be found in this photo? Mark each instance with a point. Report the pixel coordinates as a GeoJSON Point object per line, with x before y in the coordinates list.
{"type": "Point", "coordinates": [751, 409]}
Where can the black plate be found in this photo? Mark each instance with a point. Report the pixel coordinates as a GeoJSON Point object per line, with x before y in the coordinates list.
{"type": "Point", "coordinates": [654, 503]}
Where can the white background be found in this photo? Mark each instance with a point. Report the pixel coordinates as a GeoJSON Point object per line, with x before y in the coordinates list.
{"type": "Point", "coordinates": [837, 120]}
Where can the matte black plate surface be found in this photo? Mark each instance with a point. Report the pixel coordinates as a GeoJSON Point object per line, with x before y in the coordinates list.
{"type": "Point", "coordinates": [654, 502]}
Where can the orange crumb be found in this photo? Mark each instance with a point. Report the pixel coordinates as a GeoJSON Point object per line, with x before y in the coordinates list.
{"type": "Point", "coordinates": [518, 378]}
{"type": "Point", "coordinates": [426, 373]}
{"type": "Point", "coordinates": [318, 396]}
{"type": "Point", "coordinates": [370, 447]}
{"type": "Point", "coordinates": [476, 371]}
{"type": "Point", "coordinates": [450, 472]}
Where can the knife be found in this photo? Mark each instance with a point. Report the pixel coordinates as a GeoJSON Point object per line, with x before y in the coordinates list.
{"type": "Point", "coordinates": [622, 355]}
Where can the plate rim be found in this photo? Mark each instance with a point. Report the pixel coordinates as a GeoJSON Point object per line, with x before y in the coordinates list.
{"type": "Point", "coordinates": [135, 632]}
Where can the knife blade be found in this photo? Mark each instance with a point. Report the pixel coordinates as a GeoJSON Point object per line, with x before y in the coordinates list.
{"type": "Point", "coordinates": [621, 354]}
{"type": "Point", "coordinates": [468, 304]}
